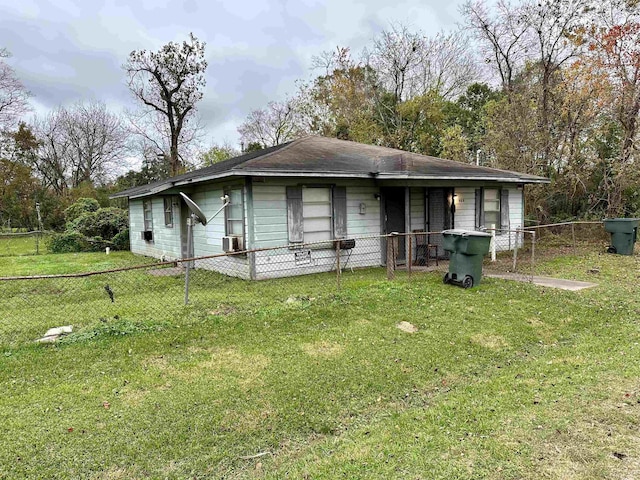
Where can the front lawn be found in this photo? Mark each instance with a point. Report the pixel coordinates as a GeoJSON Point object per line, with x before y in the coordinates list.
{"type": "Point", "coordinates": [292, 379]}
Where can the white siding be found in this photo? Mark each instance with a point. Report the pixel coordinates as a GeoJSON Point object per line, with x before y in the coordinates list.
{"type": "Point", "coordinates": [465, 216]}
{"type": "Point", "coordinates": [417, 204]}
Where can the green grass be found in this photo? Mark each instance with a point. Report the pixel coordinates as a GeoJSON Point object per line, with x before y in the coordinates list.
{"type": "Point", "coordinates": [50, 264]}
{"type": "Point", "coordinates": [506, 380]}
{"type": "Point", "coordinates": [11, 245]}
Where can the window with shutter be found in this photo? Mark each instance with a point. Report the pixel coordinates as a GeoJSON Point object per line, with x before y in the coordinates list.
{"type": "Point", "coordinates": [316, 214]}
{"type": "Point", "coordinates": [491, 207]}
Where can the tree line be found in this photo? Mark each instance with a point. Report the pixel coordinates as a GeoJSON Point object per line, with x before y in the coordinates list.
{"type": "Point", "coordinates": [546, 87]}
{"type": "Point", "coordinates": [83, 150]}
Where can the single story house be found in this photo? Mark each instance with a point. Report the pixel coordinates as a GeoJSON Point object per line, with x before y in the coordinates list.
{"type": "Point", "coordinates": [318, 189]}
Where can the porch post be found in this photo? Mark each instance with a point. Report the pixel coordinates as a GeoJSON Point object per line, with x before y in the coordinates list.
{"type": "Point", "coordinates": [407, 223]}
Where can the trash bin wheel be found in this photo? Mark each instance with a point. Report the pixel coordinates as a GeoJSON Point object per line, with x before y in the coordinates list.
{"type": "Point", "coordinates": [446, 279]}
{"type": "Point", "coordinates": [467, 282]}
{"type": "Point", "coordinates": [612, 249]}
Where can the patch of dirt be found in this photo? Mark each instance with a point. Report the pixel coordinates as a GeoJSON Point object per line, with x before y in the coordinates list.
{"type": "Point", "coordinates": [323, 349]}
{"type": "Point", "coordinates": [212, 362]}
{"type": "Point", "coordinates": [493, 342]}
{"type": "Point", "coordinates": [222, 310]}
{"type": "Point", "coordinates": [228, 362]}
{"type": "Point", "coordinates": [407, 327]}
{"type": "Point", "coordinates": [246, 421]}
{"type": "Point", "coordinates": [134, 398]}
{"type": "Point", "coordinates": [115, 473]}
{"type": "Point", "coordinates": [293, 299]}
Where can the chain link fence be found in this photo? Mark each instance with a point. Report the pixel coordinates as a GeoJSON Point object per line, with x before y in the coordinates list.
{"type": "Point", "coordinates": [160, 295]}
{"type": "Point", "coordinates": [22, 243]}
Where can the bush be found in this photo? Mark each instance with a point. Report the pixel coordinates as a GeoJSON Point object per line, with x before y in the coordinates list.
{"type": "Point", "coordinates": [105, 223]}
{"type": "Point", "coordinates": [80, 207]}
{"type": "Point", "coordinates": [121, 240]}
{"type": "Point", "coordinates": [68, 242]}
{"type": "Point", "coordinates": [98, 244]}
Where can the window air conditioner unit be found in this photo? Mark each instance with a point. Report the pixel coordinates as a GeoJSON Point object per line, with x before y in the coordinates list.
{"type": "Point", "coordinates": [147, 235]}
{"type": "Point", "coordinates": [231, 244]}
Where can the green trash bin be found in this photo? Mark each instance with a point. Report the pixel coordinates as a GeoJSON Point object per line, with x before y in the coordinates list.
{"type": "Point", "coordinates": [623, 234]}
{"type": "Point", "coordinates": [466, 250]}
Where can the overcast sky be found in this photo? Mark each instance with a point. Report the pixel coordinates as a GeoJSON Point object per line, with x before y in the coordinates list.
{"type": "Point", "coordinates": [70, 50]}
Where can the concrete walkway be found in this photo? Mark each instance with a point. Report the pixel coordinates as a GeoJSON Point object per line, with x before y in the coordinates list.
{"type": "Point", "coordinates": [561, 283]}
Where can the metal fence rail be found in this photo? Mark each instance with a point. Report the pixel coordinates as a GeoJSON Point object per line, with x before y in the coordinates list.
{"type": "Point", "coordinates": [150, 296]}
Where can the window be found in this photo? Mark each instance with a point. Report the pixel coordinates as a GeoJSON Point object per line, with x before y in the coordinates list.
{"type": "Point", "coordinates": [168, 212]}
{"type": "Point", "coordinates": [147, 215]}
{"type": "Point", "coordinates": [491, 206]}
{"type": "Point", "coordinates": [235, 213]}
{"type": "Point", "coordinates": [316, 214]}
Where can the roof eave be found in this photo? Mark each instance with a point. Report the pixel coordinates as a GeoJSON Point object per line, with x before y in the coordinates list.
{"type": "Point", "coordinates": [328, 174]}
{"type": "Point", "coordinates": [476, 178]}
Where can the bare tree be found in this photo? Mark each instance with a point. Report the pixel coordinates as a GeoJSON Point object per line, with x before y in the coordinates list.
{"type": "Point", "coordinates": [447, 66]}
{"type": "Point", "coordinates": [277, 123]}
{"type": "Point", "coordinates": [14, 97]}
{"type": "Point", "coordinates": [83, 143]}
{"type": "Point", "coordinates": [51, 164]}
{"type": "Point", "coordinates": [97, 142]}
{"type": "Point", "coordinates": [396, 56]}
{"type": "Point", "coordinates": [169, 84]}
{"type": "Point", "coordinates": [504, 38]}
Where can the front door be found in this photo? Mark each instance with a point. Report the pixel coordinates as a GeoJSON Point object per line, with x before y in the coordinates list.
{"type": "Point", "coordinates": [394, 216]}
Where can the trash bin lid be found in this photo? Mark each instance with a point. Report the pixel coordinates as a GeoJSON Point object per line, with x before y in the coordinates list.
{"type": "Point", "coordinates": [465, 233]}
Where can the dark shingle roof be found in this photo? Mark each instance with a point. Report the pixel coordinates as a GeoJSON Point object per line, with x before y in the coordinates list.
{"type": "Point", "coordinates": [315, 156]}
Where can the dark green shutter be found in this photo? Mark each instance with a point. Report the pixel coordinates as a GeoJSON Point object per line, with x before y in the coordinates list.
{"type": "Point", "coordinates": [294, 214]}
{"type": "Point", "coordinates": [479, 209]}
{"type": "Point", "coordinates": [339, 212]}
{"type": "Point", "coordinates": [504, 209]}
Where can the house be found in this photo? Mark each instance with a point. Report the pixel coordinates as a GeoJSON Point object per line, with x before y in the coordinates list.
{"type": "Point", "coordinates": [318, 189]}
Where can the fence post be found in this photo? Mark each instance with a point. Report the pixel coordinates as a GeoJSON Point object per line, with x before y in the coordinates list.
{"type": "Point", "coordinates": [573, 237]}
{"type": "Point", "coordinates": [410, 255]}
{"type": "Point", "coordinates": [338, 263]}
{"type": "Point", "coordinates": [390, 258]}
{"type": "Point", "coordinates": [533, 254]}
{"type": "Point", "coordinates": [515, 251]}
{"type": "Point", "coordinates": [493, 243]}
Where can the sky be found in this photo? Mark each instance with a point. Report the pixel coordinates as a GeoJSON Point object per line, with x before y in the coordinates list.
{"type": "Point", "coordinates": [67, 51]}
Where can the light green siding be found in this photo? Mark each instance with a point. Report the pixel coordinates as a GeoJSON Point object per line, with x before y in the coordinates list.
{"type": "Point", "coordinates": [166, 240]}
{"type": "Point", "coordinates": [270, 228]}
{"type": "Point", "coordinates": [268, 217]}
